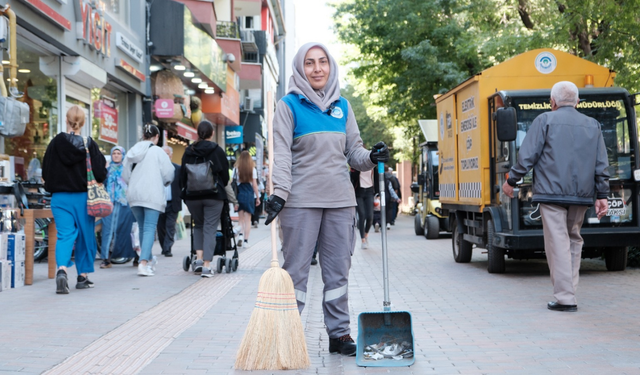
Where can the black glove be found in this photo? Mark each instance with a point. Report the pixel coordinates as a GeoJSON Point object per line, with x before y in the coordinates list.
{"type": "Point", "coordinates": [379, 152]}
{"type": "Point", "coordinates": [273, 207]}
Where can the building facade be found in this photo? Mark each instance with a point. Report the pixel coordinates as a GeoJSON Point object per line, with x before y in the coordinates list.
{"type": "Point", "coordinates": [75, 52]}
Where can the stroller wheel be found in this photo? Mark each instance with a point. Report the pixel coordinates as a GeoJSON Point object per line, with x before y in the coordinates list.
{"type": "Point", "coordinates": [234, 264]}
{"type": "Point", "coordinates": [219, 265]}
{"type": "Point", "coordinates": [186, 263]}
{"type": "Point", "coordinates": [228, 265]}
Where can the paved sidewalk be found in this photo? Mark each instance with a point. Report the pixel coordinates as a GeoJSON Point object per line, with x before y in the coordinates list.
{"type": "Point", "coordinates": [465, 320]}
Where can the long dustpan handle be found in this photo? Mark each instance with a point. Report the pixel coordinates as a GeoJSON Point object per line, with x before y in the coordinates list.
{"type": "Point", "coordinates": [274, 251]}
{"type": "Point", "coordinates": [383, 218]}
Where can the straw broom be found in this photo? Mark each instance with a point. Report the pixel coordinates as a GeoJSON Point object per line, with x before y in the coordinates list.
{"type": "Point", "coordinates": [274, 338]}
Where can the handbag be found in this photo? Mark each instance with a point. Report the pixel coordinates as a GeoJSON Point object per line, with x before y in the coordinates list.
{"type": "Point", "coordinates": [98, 200]}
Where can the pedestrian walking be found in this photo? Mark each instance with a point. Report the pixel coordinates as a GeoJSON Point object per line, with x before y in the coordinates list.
{"type": "Point", "coordinates": [363, 185]}
{"type": "Point", "coordinates": [564, 197]}
{"type": "Point", "coordinates": [167, 219]}
{"type": "Point", "coordinates": [64, 171]}
{"type": "Point", "coordinates": [248, 194]}
{"type": "Point", "coordinates": [390, 196]}
{"type": "Point", "coordinates": [147, 170]}
{"type": "Point", "coordinates": [315, 137]}
{"type": "Point", "coordinates": [116, 228]}
{"type": "Point", "coordinates": [396, 189]}
{"type": "Point", "coordinates": [205, 206]}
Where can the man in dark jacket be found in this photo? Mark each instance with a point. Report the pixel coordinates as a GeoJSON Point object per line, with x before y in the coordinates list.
{"type": "Point", "coordinates": [567, 151]}
{"type": "Point", "coordinates": [396, 187]}
{"type": "Point", "coordinates": [167, 220]}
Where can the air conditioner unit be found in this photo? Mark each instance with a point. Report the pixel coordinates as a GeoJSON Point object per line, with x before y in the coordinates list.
{"type": "Point", "coordinates": [248, 104]}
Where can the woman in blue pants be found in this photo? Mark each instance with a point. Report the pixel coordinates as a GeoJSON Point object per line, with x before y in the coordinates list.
{"type": "Point", "coordinates": [64, 171]}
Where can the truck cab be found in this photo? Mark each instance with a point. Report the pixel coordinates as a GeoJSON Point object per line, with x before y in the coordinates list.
{"type": "Point", "coordinates": [481, 125]}
{"type": "Point", "coordinates": [517, 231]}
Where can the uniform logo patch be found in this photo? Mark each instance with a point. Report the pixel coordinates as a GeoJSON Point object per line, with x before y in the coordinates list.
{"type": "Point", "coordinates": [337, 112]}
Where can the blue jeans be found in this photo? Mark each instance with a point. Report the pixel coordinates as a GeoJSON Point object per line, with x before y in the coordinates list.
{"type": "Point", "coordinates": [147, 219]}
{"type": "Point", "coordinates": [75, 227]}
{"type": "Point", "coordinates": [109, 229]}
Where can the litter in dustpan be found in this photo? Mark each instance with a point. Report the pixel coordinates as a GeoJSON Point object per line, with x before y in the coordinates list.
{"type": "Point", "coordinates": [388, 347]}
{"type": "Point", "coordinates": [385, 339]}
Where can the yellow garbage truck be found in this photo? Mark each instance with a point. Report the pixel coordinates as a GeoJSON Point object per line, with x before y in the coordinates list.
{"type": "Point", "coordinates": [481, 124]}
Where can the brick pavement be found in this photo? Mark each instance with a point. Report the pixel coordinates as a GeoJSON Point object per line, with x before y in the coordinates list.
{"type": "Point", "coordinates": [465, 320]}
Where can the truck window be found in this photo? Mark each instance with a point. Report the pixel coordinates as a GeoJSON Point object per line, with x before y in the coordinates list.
{"type": "Point", "coordinates": [434, 169]}
{"type": "Point", "coordinates": [611, 112]}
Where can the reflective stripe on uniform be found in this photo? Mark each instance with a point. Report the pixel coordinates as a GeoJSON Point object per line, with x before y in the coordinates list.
{"type": "Point", "coordinates": [332, 294]}
{"type": "Point", "coordinates": [301, 296]}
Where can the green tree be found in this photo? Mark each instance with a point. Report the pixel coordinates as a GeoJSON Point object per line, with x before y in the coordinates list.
{"type": "Point", "coordinates": [372, 130]}
{"type": "Point", "coordinates": [407, 51]}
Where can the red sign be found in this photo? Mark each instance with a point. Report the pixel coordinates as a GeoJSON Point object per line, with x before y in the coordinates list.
{"type": "Point", "coordinates": [187, 131]}
{"type": "Point", "coordinates": [122, 64]}
{"type": "Point", "coordinates": [49, 13]}
{"type": "Point", "coordinates": [164, 108]}
{"type": "Point", "coordinates": [108, 121]}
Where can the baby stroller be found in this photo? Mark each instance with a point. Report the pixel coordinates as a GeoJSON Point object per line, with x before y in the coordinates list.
{"type": "Point", "coordinates": [225, 241]}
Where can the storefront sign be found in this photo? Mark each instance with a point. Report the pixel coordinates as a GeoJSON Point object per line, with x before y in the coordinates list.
{"type": "Point", "coordinates": [129, 48]}
{"type": "Point", "coordinates": [95, 30]}
{"type": "Point", "coordinates": [108, 116]}
{"type": "Point", "coordinates": [164, 108]}
{"type": "Point", "coordinates": [186, 131]}
{"type": "Point", "coordinates": [233, 134]}
{"type": "Point", "coordinates": [50, 14]}
{"type": "Point", "coordinates": [124, 65]}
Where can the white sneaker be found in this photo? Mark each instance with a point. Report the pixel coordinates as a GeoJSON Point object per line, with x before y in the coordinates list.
{"type": "Point", "coordinates": [145, 270]}
{"type": "Point", "coordinates": [377, 227]}
{"type": "Point", "coordinates": [364, 246]}
{"type": "Point", "coordinates": [388, 226]}
{"type": "Point", "coordinates": [153, 263]}
{"type": "Point", "coordinates": [239, 242]}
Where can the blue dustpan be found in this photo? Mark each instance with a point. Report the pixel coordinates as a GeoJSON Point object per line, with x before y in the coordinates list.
{"type": "Point", "coordinates": [377, 327]}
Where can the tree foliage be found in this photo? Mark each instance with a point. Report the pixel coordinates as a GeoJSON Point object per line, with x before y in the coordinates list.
{"type": "Point", "coordinates": [404, 52]}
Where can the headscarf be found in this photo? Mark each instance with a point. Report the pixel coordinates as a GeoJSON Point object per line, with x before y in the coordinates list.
{"type": "Point", "coordinates": [116, 187]}
{"type": "Point", "coordinates": [299, 84]}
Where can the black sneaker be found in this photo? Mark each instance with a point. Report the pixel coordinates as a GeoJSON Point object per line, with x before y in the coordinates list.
{"type": "Point", "coordinates": [62, 286]}
{"type": "Point", "coordinates": [84, 283]}
{"type": "Point", "coordinates": [343, 345]}
{"type": "Point", "coordinates": [314, 261]}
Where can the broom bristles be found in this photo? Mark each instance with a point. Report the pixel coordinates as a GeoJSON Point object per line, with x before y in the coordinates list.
{"type": "Point", "coordinates": [274, 338]}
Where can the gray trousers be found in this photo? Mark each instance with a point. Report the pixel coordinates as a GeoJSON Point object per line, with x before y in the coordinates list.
{"type": "Point", "coordinates": [206, 217]}
{"type": "Point", "coordinates": [333, 229]}
{"type": "Point", "coordinates": [563, 247]}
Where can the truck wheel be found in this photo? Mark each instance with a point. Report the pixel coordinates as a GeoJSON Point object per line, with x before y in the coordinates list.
{"type": "Point", "coordinates": [496, 254]}
{"type": "Point", "coordinates": [431, 228]}
{"type": "Point", "coordinates": [616, 258]}
{"type": "Point", "coordinates": [462, 249]}
{"type": "Point", "coordinates": [417, 225]}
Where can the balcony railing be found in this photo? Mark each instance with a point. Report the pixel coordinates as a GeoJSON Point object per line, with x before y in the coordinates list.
{"type": "Point", "coordinates": [247, 36]}
{"type": "Point", "coordinates": [227, 29]}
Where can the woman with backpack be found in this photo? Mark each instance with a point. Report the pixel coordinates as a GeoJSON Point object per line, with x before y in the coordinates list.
{"type": "Point", "coordinates": [147, 170]}
{"type": "Point", "coordinates": [201, 161]}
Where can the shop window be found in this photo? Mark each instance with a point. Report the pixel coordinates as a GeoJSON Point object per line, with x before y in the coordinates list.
{"type": "Point", "coordinates": [106, 128]}
{"type": "Point", "coordinates": [118, 9]}
{"type": "Point", "coordinates": [41, 93]}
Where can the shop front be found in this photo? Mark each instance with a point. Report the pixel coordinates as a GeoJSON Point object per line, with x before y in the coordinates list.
{"type": "Point", "coordinates": [192, 76]}
{"type": "Point", "coordinates": [82, 52]}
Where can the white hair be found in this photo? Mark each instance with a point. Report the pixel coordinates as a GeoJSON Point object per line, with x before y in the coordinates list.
{"type": "Point", "coordinates": [565, 93]}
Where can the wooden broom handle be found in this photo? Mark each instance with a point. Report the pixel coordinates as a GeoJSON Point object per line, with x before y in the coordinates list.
{"type": "Point", "coordinates": [274, 250]}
